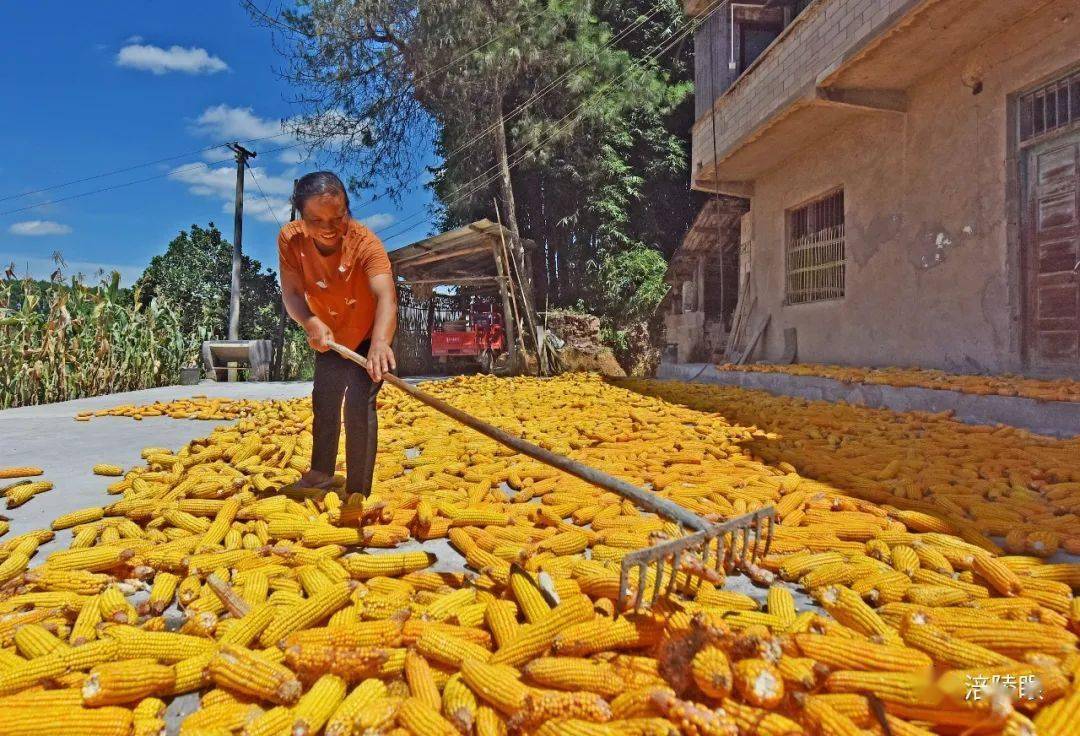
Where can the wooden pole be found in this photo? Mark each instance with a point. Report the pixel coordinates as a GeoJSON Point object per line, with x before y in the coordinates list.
{"type": "Point", "coordinates": [645, 499]}
{"type": "Point", "coordinates": [242, 155]}
{"type": "Point", "coordinates": [283, 318]}
{"type": "Point", "coordinates": [508, 316]}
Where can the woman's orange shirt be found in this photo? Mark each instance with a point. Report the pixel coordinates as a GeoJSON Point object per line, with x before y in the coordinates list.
{"type": "Point", "coordinates": [336, 286]}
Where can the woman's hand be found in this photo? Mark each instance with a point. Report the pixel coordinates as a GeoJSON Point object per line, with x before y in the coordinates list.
{"type": "Point", "coordinates": [319, 335]}
{"type": "Point", "coordinates": [380, 359]}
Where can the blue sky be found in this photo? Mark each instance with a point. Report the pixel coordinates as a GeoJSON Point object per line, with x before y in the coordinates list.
{"type": "Point", "coordinates": [94, 87]}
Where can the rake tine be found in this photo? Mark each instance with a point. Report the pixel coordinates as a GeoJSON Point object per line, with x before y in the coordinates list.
{"type": "Point", "coordinates": [769, 535]}
{"type": "Point", "coordinates": [659, 582]}
{"type": "Point", "coordinates": [744, 554]}
{"type": "Point", "coordinates": [640, 587]}
{"type": "Point", "coordinates": [674, 574]}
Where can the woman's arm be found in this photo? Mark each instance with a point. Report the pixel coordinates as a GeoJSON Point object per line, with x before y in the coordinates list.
{"type": "Point", "coordinates": [292, 293]}
{"type": "Point", "coordinates": [380, 355]}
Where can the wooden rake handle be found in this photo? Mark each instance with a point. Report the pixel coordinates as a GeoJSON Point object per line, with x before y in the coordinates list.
{"type": "Point", "coordinates": [644, 499]}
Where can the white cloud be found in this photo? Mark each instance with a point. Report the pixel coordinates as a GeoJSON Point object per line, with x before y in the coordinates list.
{"type": "Point", "coordinates": [37, 228]}
{"type": "Point", "coordinates": [225, 121]}
{"type": "Point", "coordinates": [157, 60]}
{"type": "Point", "coordinates": [134, 39]}
{"type": "Point", "coordinates": [379, 221]}
{"type": "Point", "coordinates": [41, 267]}
{"type": "Point", "coordinates": [220, 182]}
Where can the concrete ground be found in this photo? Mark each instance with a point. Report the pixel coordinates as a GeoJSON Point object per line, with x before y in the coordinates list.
{"type": "Point", "coordinates": [1053, 418]}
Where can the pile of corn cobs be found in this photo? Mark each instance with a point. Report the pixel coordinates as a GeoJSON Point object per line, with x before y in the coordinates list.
{"type": "Point", "coordinates": [295, 617]}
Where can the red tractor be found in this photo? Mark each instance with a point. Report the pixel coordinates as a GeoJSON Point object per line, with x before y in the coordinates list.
{"type": "Point", "coordinates": [480, 337]}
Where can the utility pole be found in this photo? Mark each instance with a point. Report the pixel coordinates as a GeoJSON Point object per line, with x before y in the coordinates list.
{"type": "Point", "coordinates": [242, 155]}
{"type": "Point", "coordinates": [284, 316]}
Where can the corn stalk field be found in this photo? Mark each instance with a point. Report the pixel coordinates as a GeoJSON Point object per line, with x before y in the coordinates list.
{"type": "Point", "coordinates": [66, 341]}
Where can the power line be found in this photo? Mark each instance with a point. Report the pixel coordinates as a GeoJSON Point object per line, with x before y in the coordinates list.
{"type": "Point", "coordinates": [129, 168]}
{"type": "Point", "coordinates": [206, 164]}
{"type": "Point", "coordinates": [265, 198]}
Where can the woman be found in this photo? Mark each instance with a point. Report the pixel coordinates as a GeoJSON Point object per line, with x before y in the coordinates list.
{"type": "Point", "coordinates": [337, 284]}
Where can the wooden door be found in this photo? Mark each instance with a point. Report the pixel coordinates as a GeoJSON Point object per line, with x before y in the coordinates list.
{"type": "Point", "coordinates": [1052, 254]}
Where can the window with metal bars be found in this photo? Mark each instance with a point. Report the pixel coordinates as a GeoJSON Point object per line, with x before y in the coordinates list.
{"type": "Point", "coordinates": [1051, 107]}
{"type": "Point", "coordinates": [815, 260]}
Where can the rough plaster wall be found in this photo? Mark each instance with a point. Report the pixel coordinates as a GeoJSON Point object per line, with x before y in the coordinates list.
{"type": "Point", "coordinates": [927, 276]}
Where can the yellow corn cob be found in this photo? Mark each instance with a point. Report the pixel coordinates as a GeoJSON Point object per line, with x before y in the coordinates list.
{"type": "Point", "coordinates": [997, 574]}
{"type": "Point", "coordinates": [935, 595]}
{"type": "Point", "coordinates": [420, 718]}
{"type": "Point", "coordinates": [355, 635]}
{"type": "Point", "coordinates": [421, 680]}
{"type": "Point", "coordinates": [19, 472]}
{"type": "Point", "coordinates": [85, 627]}
{"type": "Point", "coordinates": [83, 516]}
{"type": "Point", "coordinates": [848, 608]}
{"type": "Point", "coordinates": [243, 671]}
{"type": "Point", "coordinates": [255, 589]}
{"type": "Point", "coordinates": [528, 596]}
{"type": "Point", "coordinates": [450, 603]}
{"type": "Point", "coordinates": [544, 706]}
{"type": "Point", "coordinates": [489, 722]}
{"type": "Point", "coordinates": [800, 673]}
{"type": "Point", "coordinates": [88, 721]}
{"type": "Point", "coordinates": [106, 469]}
{"type": "Point", "coordinates": [352, 664]}
{"type": "Point", "coordinates": [311, 611]}
{"type": "Point", "coordinates": [494, 684]}
{"type": "Point", "coordinates": [123, 682]}
{"type": "Point", "coordinates": [225, 716]}
{"type": "Point", "coordinates": [533, 639]}
{"type": "Point", "coordinates": [459, 705]}
{"type": "Point", "coordinates": [192, 674]}
{"type": "Point", "coordinates": [164, 646]}
{"type": "Point", "coordinates": [34, 640]}
{"type": "Point", "coordinates": [827, 719]}
{"type": "Point", "coordinates": [367, 692]}
{"type": "Point", "coordinates": [377, 716]}
{"type": "Point", "coordinates": [1060, 717]}
{"type": "Point", "coordinates": [162, 592]}
{"type": "Point", "coordinates": [750, 720]}
{"type": "Point", "coordinates": [30, 673]}
{"type": "Point", "coordinates": [448, 649]}
{"type": "Point", "coordinates": [274, 722]}
{"type": "Point", "coordinates": [905, 559]}
{"type": "Point", "coordinates": [571, 673]}
{"type": "Point", "coordinates": [850, 654]}
{"type": "Point", "coordinates": [501, 618]}
{"type": "Point", "coordinates": [712, 672]}
{"type": "Point", "coordinates": [605, 634]}
{"type": "Point", "coordinates": [317, 705]}
{"type": "Point", "coordinates": [20, 494]}
{"type": "Point", "coordinates": [903, 688]}
{"type": "Point", "coordinates": [691, 717]}
{"type": "Point", "coordinates": [946, 649]}
{"type": "Point", "coordinates": [758, 682]}
{"type": "Point", "coordinates": [247, 629]}
{"type": "Point", "coordinates": [781, 603]}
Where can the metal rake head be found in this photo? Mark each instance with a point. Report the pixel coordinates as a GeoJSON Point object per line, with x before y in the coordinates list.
{"type": "Point", "coordinates": [709, 555]}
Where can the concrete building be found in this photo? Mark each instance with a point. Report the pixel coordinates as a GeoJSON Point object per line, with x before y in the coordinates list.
{"type": "Point", "coordinates": [913, 174]}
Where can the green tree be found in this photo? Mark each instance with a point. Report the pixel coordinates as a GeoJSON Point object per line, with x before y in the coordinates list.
{"type": "Point", "coordinates": [572, 114]}
{"type": "Point", "coordinates": [194, 274]}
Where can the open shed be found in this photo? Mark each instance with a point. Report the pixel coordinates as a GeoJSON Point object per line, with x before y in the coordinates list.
{"type": "Point", "coordinates": [475, 256]}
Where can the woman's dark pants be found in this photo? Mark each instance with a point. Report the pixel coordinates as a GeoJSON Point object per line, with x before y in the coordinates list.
{"type": "Point", "coordinates": [336, 379]}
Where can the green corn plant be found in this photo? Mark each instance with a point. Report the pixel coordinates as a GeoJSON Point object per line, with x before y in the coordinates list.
{"type": "Point", "coordinates": [65, 341]}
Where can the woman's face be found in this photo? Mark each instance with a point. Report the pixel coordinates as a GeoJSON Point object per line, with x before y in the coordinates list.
{"type": "Point", "coordinates": [326, 218]}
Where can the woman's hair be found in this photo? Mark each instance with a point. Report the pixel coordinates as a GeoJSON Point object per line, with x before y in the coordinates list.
{"type": "Point", "coordinates": [317, 184]}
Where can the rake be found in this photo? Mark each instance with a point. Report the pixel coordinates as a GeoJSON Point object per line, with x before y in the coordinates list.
{"type": "Point", "coordinates": [709, 552]}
